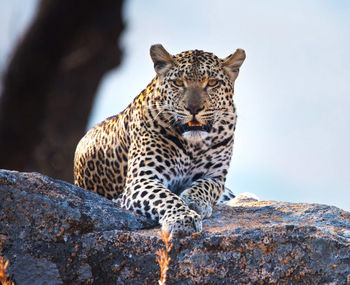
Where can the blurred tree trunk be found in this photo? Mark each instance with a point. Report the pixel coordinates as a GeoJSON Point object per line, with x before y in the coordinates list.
{"type": "Point", "coordinates": [51, 81]}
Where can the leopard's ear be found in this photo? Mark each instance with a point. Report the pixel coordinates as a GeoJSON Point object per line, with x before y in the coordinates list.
{"type": "Point", "coordinates": [161, 58]}
{"type": "Point", "coordinates": [232, 63]}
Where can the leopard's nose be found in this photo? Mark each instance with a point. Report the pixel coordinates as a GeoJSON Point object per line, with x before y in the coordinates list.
{"type": "Point", "coordinates": [194, 109]}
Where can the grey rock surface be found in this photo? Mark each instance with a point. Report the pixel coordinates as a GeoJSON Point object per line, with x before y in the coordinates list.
{"type": "Point", "coordinates": [55, 233]}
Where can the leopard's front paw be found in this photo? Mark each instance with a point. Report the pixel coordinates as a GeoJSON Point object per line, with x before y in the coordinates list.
{"type": "Point", "coordinates": [183, 224]}
{"type": "Point", "coordinates": [202, 208]}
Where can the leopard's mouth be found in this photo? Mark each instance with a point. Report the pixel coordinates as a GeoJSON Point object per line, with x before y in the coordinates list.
{"type": "Point", "coordinates": [194, 125]}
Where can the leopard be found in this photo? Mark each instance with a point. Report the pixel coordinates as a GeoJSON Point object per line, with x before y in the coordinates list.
{"type": "Point", "coordinates": [166, 156]}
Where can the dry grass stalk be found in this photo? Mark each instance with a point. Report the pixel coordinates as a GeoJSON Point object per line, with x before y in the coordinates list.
{"type": "Point", "coordinates": [3, 267]}
{"type": "Point", "coordinates": [163, 257]}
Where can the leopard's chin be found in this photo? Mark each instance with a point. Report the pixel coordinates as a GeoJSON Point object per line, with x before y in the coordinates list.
{"type": "Point", "coordinates": [195, 135]}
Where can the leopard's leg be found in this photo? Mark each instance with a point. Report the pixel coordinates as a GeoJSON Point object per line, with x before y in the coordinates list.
{"type": "Point", "coordinates": [150, 198]}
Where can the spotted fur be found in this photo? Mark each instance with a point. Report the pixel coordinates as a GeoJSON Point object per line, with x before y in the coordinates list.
{"type": "Point", "coordinates": [167, 154]}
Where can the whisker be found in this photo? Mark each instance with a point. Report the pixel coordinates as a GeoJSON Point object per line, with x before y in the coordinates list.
{"type": "Point", "coordinates": [177, 114]}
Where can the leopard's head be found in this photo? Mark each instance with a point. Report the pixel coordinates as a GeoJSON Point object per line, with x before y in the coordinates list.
{"type": "Point", "coordinates": [194, 89]}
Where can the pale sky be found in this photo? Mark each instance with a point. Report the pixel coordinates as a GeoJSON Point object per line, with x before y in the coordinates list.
{"type": "Point", "coordinates": [292, 95]}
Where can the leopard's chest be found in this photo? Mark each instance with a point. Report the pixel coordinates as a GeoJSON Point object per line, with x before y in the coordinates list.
{"type": "Point", "coordinates": [189, 167]}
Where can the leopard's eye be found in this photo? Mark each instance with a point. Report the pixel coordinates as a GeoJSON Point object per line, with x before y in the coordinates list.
{"type": "Point", "coordinates": [178, 83]}
{"type": "Point", "coordinates": [213, 83]}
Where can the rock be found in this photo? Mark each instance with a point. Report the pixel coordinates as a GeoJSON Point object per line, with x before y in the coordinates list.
{"type": "Point", "coordinates": [55, 233]}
